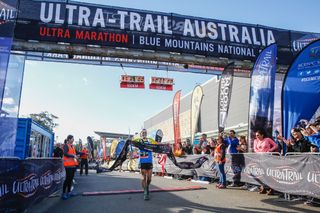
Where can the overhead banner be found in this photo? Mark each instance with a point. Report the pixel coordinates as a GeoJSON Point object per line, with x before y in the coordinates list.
{"type": "Point", "coordinates": [196, 100]}
{"type": "Point", "coordinates": [261, 104]}
{"type": "Point", "coordinates": [81, 23]}
{"type": "Point", "coordinates": [301, 88]}
{"type": "Point", "coordinates": [224, 95]}
{"type": "Point", "coordinates": [176, 119]}
{"type": "Point", "coordinates": [25, 182]}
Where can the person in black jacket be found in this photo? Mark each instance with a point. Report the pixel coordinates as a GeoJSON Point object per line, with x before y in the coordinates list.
{"type": "Point", "coordinates": [298, 142]}
{"type": "Point", "coordinates": [58, 151]}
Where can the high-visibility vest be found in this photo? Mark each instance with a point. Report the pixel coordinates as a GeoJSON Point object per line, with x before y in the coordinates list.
{"type": "Point", "coordinates": [218, 154]}
{"type": "Point", "coordinates": [67, 161]}
{"type": "Point", "coordinates": [84, 154]}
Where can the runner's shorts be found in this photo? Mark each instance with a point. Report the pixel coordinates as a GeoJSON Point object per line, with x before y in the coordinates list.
{"type": "Point", "coordinates": [146, 166]}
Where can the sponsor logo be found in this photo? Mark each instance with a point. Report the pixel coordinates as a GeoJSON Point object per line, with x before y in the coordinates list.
{"type": "Point", "coordinates": [314, 177]}
{"type": "Point", "coordinates": [300, 43]}
{"type": "Point", "coordinates": [309, 65]}
{"type": "Point", "coordinates": [46, 179]}
{"type": "Point", "coordinates": [309, 73]}
{"type": "Point", "coordinates": [3, 190]}
{"type": "Point", "coordinates": [26, 187]}
{"type": "Point", "coordinates": [225, 92]}
{"type": "Point", "coordinates": [315, 52]}
{"type": "Point", "coordinates": [252, 170]}
{"type": "Point", "coordinates": [7, 13]}
{"type": "Point", "coordinates": [285, 175]}
{"type": "Point", "coordinates": [58, 176]}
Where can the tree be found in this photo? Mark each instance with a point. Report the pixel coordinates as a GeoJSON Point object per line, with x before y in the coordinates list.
{"type": "Point", "coordinates": [45, 119]}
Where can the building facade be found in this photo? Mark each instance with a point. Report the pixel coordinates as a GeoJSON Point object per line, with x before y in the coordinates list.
{"type": "Point", "coordinates": [208, 118]}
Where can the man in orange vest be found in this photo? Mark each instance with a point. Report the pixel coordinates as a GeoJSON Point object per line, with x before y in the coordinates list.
{"type": "Point", "coordinates": [84, 160]}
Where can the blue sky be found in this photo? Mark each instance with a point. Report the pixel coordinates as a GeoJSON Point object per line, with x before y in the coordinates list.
{"type": "Point", "coordinates": [87, 98]}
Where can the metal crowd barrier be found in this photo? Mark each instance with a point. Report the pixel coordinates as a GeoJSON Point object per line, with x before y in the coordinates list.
{"type": "Point", "coordinates": [302, 153]}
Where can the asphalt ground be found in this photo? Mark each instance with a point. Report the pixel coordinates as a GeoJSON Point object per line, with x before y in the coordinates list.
{"type": "Point", "coordinates": [233, 200]}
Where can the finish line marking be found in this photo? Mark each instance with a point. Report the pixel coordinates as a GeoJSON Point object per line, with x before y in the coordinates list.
{"type": "Point", "coordinates": [134, 191]}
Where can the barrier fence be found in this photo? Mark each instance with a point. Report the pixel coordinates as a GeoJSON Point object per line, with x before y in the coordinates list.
{"type": "Point", "coordinates": [297, 174]}
{"type": "Point", "coordinates": [24, 182]}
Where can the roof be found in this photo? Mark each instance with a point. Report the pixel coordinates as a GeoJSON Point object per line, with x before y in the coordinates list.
{"type": "Point", "coordinates": [113, 135]}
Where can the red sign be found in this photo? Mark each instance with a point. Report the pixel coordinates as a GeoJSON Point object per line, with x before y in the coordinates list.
{"type": "Point", "coordinates": [131, 81]}
{"type": "Point", "coordinates": [161, 87]}
{"type": "Point", "coordinates": [161, 83]}
{"type": "Point", "coordinates": [132, 85]}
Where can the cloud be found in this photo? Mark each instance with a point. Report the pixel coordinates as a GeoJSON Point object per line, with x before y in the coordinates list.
{"type": "Point", "coordinates": [85, 80]}
{"type": "Point", "coordinates": [60, 86]}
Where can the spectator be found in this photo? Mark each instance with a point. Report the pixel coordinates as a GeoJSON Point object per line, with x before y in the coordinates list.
{"type": "Point", "coordinates": [212, 146]}
{"type": "Point", "coordinates": [313, 135]}
{"type": "Point", "coordinates": [232, 142]}
{"type": "Point", "coordinates": [298, 143]}
{"type": "Point", "coordinates": [178, 150]}
{"type": "Point", "coordinates": [220, 159]}
{"type": "Point", "coordinates": [262, 144]}
{"type": "Point", "coordinates": [201, 147]}
{"type": "Point", "coordinates": [242, 147]}
{"type": "Point", "coordinates": [58, 151]}
{"type": "Point", "coordinates": [84, 160]}
{"type": "Point", "coordinates": [282, 146]}
{"type": "Point", "coordinates": [187, 148]}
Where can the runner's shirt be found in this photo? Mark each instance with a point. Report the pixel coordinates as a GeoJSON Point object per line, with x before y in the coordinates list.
{"type": "Point", "coordinates": [145, 155]}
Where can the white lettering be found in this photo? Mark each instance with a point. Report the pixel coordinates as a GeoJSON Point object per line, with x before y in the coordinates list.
{"type": "Point", "coordinates": [188, 29]}
{"type": "Point", "coordinates": [84, 13]}
{"type": "Point", "coordinates": [98, 18]}
{"type": "Point", "coordinates": [43, 12]}
{"type": "Point", "coordinates": [135, 19]}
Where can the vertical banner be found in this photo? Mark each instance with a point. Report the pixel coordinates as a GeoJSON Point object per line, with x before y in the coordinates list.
{"type": "Point", "coordinates": [277, 104]}
{"type": "Point", "coordinates": [301, 88]}
{"type": "Point", "coordinates": [196, 100]}
{"type": "Point", "coordinates": [8, 14]}
{"type": "Point", "coordinates": [176, 119]}
{"type": "Point", "coordinates": [10, 105]}
{"type": "Point", "coordinates": [262, 93]}
{"type": "Point", "coordinates": [104, 148]}
{"type": "Point", "coordinates": [8, 126]}
{"type": "Point", "coordinates": [224, 96]}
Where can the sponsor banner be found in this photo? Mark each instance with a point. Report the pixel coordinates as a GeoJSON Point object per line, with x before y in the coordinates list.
{"type": "Point", "coordinates": [136, 63]}
{"type": "Point", "coordinates": [261, 104]}
{"type": "Point", "coordinates": [294, 174]}
{"type": "Point", "coordinates": [24, 182]}
{"type": "Point", "coordinates": [81, 23]}
{"type": "Point", "coordinates": [301, 88]}
{"type": "Point", "coordinates": [196, 100]}
{"type": "Point", "coordinates": [176, 119]}
{"type": "Point", "coordinates": [224, 96]}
